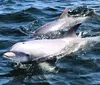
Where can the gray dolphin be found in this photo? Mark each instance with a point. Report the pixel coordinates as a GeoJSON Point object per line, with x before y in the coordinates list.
{"type": "Point", "coordinates": [64, 22]}
{"type": "Point", "coordinates": [41, 50]}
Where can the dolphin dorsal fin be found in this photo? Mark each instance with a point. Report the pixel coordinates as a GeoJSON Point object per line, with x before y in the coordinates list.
{"type": "Point", "coordinates": [64, 14]}
{"type": "Point", "coordinates": [72, 31]}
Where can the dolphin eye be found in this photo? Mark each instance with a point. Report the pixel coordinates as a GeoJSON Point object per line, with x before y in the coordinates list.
{"type": "Point", "coordinates": [27, 55]}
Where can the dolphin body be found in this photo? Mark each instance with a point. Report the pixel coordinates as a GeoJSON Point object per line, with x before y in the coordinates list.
{"type": "Point", "coordinates": [42, 50]}
{"type": "Point", "coordinates": [64, 22]}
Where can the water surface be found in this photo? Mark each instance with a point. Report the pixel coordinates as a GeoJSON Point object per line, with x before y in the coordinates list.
{"type": "Point", "coordinates": [31, 14]}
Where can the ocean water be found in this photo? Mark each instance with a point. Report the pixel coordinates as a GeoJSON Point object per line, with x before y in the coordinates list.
{"type": "Point", "coordinates": [31, 14]}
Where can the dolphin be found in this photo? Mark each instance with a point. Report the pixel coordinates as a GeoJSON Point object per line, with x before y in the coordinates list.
{"type": "Point", "coordinates": [42, 50]}
{"type": "Point", "coordinates": [64, 22]}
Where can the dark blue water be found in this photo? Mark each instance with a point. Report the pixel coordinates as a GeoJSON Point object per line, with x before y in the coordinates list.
{"type": "Point", "coordinates": [31, 14]}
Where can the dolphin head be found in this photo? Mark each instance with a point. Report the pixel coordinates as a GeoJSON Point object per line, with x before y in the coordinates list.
{"type": "Point", "coordinates": [17, 56]}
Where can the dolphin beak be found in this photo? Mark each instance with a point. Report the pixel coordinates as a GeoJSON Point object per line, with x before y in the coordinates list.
{"type": "Point", "coordinates": [9, 55]}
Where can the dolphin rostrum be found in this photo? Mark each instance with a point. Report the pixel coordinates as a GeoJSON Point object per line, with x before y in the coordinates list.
{"type": "Point", "coordinates": [41, 50]}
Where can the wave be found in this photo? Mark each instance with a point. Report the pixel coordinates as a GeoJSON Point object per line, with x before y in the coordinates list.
{"type": "Point", "coordinates": [3, 2]}
{"type": "Point", "coordinates": [16, 17]}
{"type": "Point", "coordinates": [27, 15]}
{"type": "Point", "coordinates": [6, 31]}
